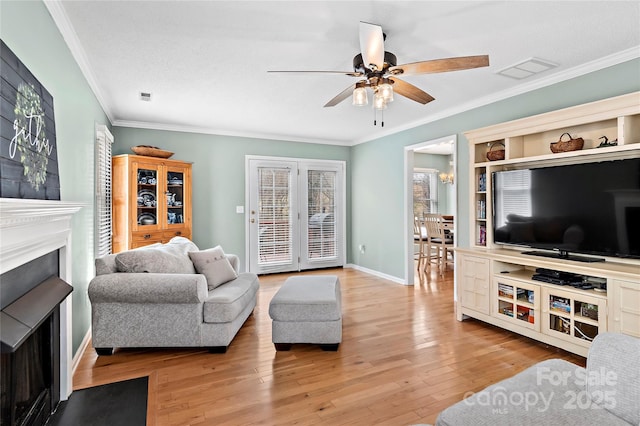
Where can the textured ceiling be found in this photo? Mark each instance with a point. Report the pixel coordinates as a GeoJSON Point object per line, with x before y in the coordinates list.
{"type": "Point", "coordinates": [205, 62]}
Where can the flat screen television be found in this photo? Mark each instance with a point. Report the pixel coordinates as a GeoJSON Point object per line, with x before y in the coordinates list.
{"type": "Point", "coordinates": [589, 208]}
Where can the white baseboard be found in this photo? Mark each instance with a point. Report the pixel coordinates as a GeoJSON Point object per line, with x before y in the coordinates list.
{"type": "Point", "coordinates": [78, 355]}
{"type": "Point", "coordinates": [376, 273]}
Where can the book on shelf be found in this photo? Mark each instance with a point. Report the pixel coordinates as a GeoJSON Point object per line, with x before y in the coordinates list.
{"type": "Point", "coordinates": [481, 209]}
{"type": "Point", "coordinates": [482, 182]}
{"type": "Point", "coordinates": [482, 234]}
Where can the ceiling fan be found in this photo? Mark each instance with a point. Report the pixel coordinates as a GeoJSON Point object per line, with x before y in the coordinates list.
{"type": "Point", "coordinates": [379, 71]}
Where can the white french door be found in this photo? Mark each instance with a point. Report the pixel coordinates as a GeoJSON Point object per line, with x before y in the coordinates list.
{"type": "Point", "coordinates": [296, 214]}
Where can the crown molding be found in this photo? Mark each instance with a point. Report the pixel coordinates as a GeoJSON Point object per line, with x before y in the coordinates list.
{"type": "Point", "coordinates": [60, 18]}
{"type": "Point", "coordinates": [219, 132]}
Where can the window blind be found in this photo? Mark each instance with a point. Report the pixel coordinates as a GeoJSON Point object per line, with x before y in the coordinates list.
{"type": "Point", "coordinates": [274, 219]}
{"type": "Point", "coordinates": [321, 207]}
{"type": "Point", "coordinates": [104, 140]}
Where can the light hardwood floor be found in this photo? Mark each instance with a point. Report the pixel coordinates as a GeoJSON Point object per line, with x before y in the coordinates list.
{"type": "Point", "coordinates": [402, 360]}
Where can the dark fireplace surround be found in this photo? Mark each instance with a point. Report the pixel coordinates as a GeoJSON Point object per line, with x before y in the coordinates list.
{"type": "Point", "coordinates": [30, 297]}
{"type": "Point", "coordinates": [35, 308]}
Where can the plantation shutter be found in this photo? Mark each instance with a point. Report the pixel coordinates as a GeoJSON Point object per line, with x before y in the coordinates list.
{"type": "Point", "coordinates": [321, 213]}
{"type": "Point", "coordinates": [274, 218]}
{"type": "Point", "coordinates": [104, 140]}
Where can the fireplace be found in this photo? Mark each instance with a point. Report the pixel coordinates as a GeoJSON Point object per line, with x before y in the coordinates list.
{"type": "Point", "coordinates": [35, 330]}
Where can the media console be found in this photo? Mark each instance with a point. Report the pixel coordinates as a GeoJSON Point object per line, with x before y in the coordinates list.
{"type": "Point", "coordinates": [495, 283]}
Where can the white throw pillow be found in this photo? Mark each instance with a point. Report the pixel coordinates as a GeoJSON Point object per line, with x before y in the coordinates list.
{"type": "Point", "coordinates": [214, 265]}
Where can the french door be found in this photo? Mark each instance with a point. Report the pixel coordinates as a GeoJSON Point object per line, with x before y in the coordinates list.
{"type": "Point", "coordinates": [296, 214]}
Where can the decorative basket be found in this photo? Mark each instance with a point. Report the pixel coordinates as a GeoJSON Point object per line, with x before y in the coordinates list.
{"type": "Point", "coordinates": [495, 155]}
{"type": "Point", "coordinates": [151, 151]}
{"type": "Point", "coordinates": [566, 146]}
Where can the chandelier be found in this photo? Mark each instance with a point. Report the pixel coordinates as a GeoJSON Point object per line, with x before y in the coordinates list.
{"type": "Point", "coordinates": [446, 177]}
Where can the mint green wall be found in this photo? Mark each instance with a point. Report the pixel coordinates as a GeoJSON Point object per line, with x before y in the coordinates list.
{"type": "Point", "coordinates": [446, 194]}
{"type": "Point", "coordinates": [378, 216]}
{"type": "Point", "coordinates": [28, 30]}
{"type": "Point", "coordinates": [219, 176]}
{"type": "Point", "coordinates": [375, 170]}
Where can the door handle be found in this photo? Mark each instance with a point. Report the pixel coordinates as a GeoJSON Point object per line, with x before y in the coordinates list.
{"type": "Point", "coordinates": [147, 236]}
{"type": "Point", "coordinates": [253, 220]}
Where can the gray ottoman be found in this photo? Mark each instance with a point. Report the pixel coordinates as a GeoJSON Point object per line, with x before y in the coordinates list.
{"type": "Point", "coordinates": [307, 309]}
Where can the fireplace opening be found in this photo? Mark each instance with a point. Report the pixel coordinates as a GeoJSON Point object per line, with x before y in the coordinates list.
{"type": "Point", "coordinates": [30, 341]}
{"type": "Point", "coordinates": [27, 379]}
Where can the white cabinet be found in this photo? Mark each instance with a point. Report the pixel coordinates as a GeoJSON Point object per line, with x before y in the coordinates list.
{"type": "Point", "coordinates": [516, 301]}
{"type": "Point", "coordinates": [526, 144]}
{"type": "Point", "coordinates": [474, 280]}
{"type": "Point", "coordinates": [573, 316]}
{"type": "Point", "coordinates": [494, 283]}
{"type": "Point", "coordinates": [624, 298]}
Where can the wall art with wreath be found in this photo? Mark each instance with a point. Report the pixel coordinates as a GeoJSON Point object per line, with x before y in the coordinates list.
{"type": "Point", "coordinates": [28, 152]}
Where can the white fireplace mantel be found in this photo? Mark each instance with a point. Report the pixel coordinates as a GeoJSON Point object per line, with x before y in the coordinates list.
{"type": "Point", "coordinates": [30, 229]}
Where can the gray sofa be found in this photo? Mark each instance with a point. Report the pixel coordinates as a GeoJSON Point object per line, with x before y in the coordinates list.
{"type": "Point", "coordinates": [160, 301]}
{"type": "Point", "coordinates": [558, 392]}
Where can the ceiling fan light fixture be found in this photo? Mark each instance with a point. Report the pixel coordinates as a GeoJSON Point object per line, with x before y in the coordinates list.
{"type": "Point", "coordinates": [379, 102]}
{"type": "Point", "coordinates": [360, 96]}
{"type": "Point", "coordinates": [386, 90]}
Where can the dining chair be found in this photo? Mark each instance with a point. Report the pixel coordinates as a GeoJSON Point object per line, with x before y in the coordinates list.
{"type": "Point", "coordinates": [419, 240]}
{"type": "Point", "coordinates": [437, 241]}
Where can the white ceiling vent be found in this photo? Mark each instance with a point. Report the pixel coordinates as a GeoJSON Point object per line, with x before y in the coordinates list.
{"type": "Point", "coordinates": [527, 68]}
{"type": "Point", "coordinates": [145, 96]}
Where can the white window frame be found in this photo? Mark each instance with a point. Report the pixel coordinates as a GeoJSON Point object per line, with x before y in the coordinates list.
{"type": "Point", "coordinates": [433, 182]}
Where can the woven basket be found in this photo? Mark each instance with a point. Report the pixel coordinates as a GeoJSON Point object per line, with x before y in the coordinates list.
{"type": "Point", "coordinates": [151, 151]}
{"type": "Point", "coordinates": [495, 155]}
{"type": "Point", "coordinates": [566, 146]}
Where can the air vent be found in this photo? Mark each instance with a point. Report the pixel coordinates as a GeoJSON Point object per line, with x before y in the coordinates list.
{"type": "Point", "coordinates": [527, 68]}
{"type": "Point", "coordinates": [145, 96]}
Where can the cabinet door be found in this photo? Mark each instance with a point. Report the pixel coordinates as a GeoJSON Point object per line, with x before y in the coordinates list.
{"type": "Point", "coordinates": [625, 310]}
{"type": "Point", "coordinates": [146, 183]}
{"type": "Point", "coordinates": [517, 302]}
{"type": "Point", "coordinates": [177, 197]}
{"type": "Point", "coordinates": [573, 316]}
{"type": "Point", "coordinates": [474, 283]}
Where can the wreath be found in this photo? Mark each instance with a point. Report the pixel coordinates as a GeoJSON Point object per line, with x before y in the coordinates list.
{"type": "Point", "coordinates": [31, 139]}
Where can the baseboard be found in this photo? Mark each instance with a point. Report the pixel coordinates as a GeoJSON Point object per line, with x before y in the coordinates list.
{"type": "Point", "coordinates": [376, 273]}
{"type": "Point", "coordinates": [78, 355]}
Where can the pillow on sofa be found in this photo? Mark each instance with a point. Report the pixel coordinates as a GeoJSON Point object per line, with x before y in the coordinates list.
{"type": "Point", "coordinates": [155, 260]}
{"type": "Point", "coordinates": [214, 265]}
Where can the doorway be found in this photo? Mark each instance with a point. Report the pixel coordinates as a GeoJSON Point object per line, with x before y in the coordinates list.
{"type": "Point", "coordinates": [296, 216]}
{"type": "Point", "coordinates": [446, 146]}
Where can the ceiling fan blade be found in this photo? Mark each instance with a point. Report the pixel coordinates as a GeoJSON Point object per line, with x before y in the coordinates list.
{"type": "Point", "coordinates": [372, 45]}
{"type": "Point", "coordinates": [441, 65]}
{"type": "Point", "coordinates": [341, 96]}
{"type": "Point", "coordinates": [410, 91]}
{"type": "Point", "coordinates": [349, 73]}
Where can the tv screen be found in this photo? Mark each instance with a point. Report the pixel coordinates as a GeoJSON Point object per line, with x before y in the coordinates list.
{"type": "Point", "coordinates": [591, 208]}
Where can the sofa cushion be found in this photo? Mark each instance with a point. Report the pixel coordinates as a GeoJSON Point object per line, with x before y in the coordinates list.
{"type": "Point", "coordinates": [214, 265]}
{"type": "Point", "coordinates": [170, 258]}
{"type": "Point", "coordinates": [550, 392]}
{"type": "Point", "coordinates": [227, 301]}
{"type": "Point", "coordinates": [613, 375]}
{"type": "Point", "coordinates": [107, 264]}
